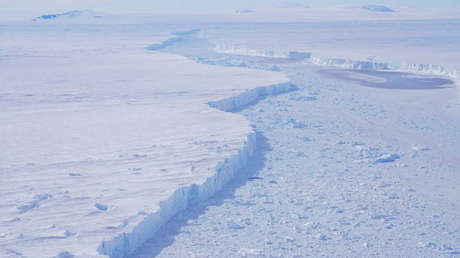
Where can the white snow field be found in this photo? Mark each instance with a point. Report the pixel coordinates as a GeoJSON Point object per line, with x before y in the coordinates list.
{"type": "Point", "coordinates": [115, 142]}
{"type": "Point", "coordinates": [102, 141]}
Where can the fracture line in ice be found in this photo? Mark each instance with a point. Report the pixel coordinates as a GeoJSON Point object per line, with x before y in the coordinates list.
{"type": "Point", "coordinates": [127, 242]}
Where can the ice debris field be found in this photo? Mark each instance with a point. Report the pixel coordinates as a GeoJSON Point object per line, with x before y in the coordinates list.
{"type": "Point", "coordinates": [219, 139]}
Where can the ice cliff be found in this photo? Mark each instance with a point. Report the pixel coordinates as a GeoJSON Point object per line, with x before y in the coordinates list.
{"type": "Point", "coordinates": [127, 242]}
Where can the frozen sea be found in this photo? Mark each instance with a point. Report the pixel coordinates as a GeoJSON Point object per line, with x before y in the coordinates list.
{"type": "Point", "coordinates": [347, 164]}
{"type": "Point", "coordinates": [338, 139]}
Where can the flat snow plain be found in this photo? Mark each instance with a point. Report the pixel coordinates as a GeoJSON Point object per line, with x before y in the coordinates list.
{"type": "Point", "coordinates": [96, 131]}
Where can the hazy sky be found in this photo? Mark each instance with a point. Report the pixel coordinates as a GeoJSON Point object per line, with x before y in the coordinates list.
{"type": "Point", "coordinates": [40, 6]}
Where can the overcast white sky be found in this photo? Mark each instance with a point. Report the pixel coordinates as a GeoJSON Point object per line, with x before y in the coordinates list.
{"type": "Point", "coordinates": [183, 6]}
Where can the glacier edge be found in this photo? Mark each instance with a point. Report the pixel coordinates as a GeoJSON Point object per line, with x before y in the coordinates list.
{"type": "Point", "coordinates": [127, 242]}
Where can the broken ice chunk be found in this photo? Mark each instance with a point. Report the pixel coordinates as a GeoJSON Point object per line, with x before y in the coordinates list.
{"type": "Point", "coordinates": [388, 158]}
{"type": "Point", "coordinates": [420, 148]}
{"type": "Point", "coordinates": [101, 206]}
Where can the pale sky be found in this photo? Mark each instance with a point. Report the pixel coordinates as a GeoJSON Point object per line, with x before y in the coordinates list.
{"type": "Point", "coordinates": [184, 6]}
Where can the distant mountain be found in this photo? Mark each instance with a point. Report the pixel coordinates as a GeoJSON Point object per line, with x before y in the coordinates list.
{"type": "Point", "coordinates": [377, 8]}
{"type": "Point", "coordinates": [69, 14]}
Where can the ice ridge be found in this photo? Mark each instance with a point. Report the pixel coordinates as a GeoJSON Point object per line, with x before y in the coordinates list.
{"type": "Point", "coordinates": [164, 44]}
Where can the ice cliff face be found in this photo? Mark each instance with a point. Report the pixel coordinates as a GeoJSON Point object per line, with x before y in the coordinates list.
{"type": "Point", "coordinates": [164, 44]}
{"type": "Point", "coordinates": [249, 97]}
{"type": "Point", "coordinates": [385, 66]}
{"type": "Point", "coordinates": [344, 63]}
{"type": "Point", "coordinates": [126, 243]}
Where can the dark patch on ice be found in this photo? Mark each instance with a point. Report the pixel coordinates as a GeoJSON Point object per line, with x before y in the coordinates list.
{"type": "Point", "coordinates": [306, 139]}
{"type": "Point", "coordinates": [101, 206]}
{"type": "Point", "coordinates": [70, 14]}
{"type": "Point", "coordinates": [255, 178]}
{"type": "Point", "coordinates": [388, 158]}
{"type": "Point", "coordinates": [140, 156]}
{"type": "Point", "coordinates": [65, 255]}
{"type": "Point", "coordinates": [304, 98]}
{"type": "Point", "coordinates": [122, 225]}
{"type": "Point", "coordinates": [390, 80]}
{"type": "Point", "coordinates": [35, 203]}
{"type": "Point", "coordinates": [164, 44]}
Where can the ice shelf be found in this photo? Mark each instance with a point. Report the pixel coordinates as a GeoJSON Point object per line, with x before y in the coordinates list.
{"type": "Point", "coordinates": [104, 142]}
{"type": "Point", "coordinates": [127, 242]}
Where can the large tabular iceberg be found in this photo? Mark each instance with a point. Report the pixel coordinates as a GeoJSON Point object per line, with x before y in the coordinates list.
{"type": "Point", "coordinates": [103, 142]}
